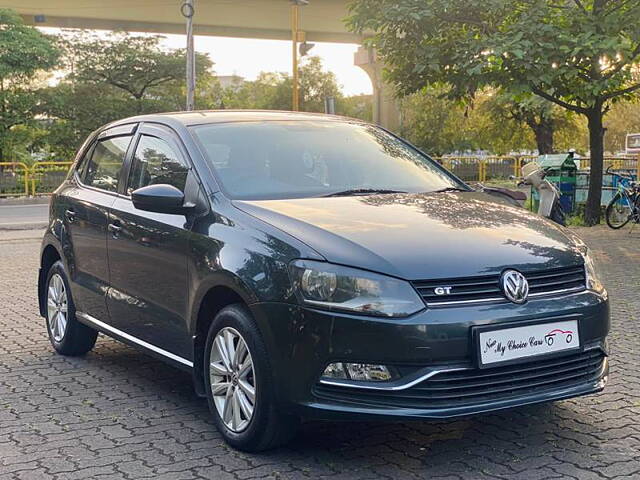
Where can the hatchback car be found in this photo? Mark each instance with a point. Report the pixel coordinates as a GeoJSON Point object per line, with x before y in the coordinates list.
{"type": "Point", "coordinates": [304, 266]}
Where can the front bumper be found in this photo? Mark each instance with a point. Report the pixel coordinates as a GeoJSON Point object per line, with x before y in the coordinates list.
{"type": "Point", "coordinates": [301, 342]}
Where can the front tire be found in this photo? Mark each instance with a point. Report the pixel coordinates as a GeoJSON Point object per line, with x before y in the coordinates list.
{"type": "Point", "coordinates": [67, 335]}
{"type": "Point", "coordinates": [239, 384]}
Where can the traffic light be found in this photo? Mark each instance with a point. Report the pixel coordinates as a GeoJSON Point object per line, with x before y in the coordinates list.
{"type": "Point", "coordinates": [304, 48]}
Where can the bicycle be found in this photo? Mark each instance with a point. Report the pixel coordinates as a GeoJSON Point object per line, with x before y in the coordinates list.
{"type": "Point", "coordinates": [625, 204]}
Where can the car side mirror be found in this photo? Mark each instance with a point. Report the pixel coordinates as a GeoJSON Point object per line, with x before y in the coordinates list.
{"type": "Point", "coordinates": [160, 198]}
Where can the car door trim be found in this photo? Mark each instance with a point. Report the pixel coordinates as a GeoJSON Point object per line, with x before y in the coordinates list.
{"type": "Point", "coordinates": [104, 326]}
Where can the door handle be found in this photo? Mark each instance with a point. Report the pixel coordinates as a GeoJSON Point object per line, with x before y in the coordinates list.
{"type": "Point", "coordinates": [70, 215]}
{"type": "Point", "coordinates": [115, 229]}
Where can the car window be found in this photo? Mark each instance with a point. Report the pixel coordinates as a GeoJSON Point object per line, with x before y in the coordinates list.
{"type": "Point", "coordinates": [103, 169]}
{"type": "Point", "coordinates": [286, 159]}
{"type": "Point", "coordinates": [156, 162]}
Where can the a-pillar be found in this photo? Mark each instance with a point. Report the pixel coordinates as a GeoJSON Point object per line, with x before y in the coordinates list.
{"type": "Point", "coordinates": [385, 106]}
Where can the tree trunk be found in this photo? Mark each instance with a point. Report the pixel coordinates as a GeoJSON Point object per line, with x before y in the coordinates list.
{"type": "Point", "coordinates": [544, 136]}
{"type": "Point", "coordinates": [596, 144]}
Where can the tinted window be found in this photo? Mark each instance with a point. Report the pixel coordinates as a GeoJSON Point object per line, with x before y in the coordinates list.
{"type": "Point", "coordinates": [103, 169]}
{"type": "Point", "coordinates": [156, 162]}
{"type": "Point", "coordinates": [274, 159]}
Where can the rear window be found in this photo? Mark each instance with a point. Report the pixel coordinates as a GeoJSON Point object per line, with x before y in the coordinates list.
{"type": "Point", "coordinates": [102, 170]}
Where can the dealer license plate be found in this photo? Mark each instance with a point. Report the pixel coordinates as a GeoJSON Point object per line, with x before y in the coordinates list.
{"type": "Point", "coordinates": [508, 344]}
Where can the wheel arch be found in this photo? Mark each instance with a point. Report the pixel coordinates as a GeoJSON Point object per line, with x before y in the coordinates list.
{"type": "Point", "coordinates": [212, 297]}
{"type": "Point", "coordinates": [49, 256]}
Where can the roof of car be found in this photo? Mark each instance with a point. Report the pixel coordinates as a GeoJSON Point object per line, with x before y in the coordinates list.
{"type": "Point", "coordinates": [223, 116]}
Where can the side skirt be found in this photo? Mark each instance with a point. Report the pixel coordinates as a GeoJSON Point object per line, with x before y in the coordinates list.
{"type": "Point", "coordinates": [124, 337]}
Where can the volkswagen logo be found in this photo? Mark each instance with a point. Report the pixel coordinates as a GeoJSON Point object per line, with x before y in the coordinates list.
{"type": "Point", "coordinates": [515, 286]}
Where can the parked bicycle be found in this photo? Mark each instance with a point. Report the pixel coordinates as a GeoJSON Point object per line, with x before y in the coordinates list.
{"type": "Point", "coordinates": [625, 204]}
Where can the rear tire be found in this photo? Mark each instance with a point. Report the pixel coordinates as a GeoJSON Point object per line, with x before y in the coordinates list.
{"type": "Point", "coordinates": [243, 384]}
{"type": "Point", "coordinates": [617, 215]}
{"type": "Point", "coordinates": [67, 335]}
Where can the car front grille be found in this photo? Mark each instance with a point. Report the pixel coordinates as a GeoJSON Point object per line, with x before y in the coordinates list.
{"type": "Point", "coordinates": [477, 386]}
{"type": "Point", "coordinates": [483, 289]}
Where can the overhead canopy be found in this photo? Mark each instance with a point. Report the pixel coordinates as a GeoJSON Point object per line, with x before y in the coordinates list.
{"type": "Point", "coordinates": [269, 19]}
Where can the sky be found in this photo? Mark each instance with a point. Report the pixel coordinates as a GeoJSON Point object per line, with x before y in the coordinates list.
{"type": "Point", "coordinates": [248, 57]}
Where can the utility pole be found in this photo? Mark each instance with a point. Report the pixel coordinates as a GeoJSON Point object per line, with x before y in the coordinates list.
{"type": "Point", "coordinates": [188, 11]}
{"type": "Point", "coordinates": [295, 20]}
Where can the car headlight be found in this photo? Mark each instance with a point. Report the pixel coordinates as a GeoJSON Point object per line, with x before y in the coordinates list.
{"type": "Point", "coordinates": [593, 283]}
{"type": "Point", "coordinates": [334, 287]}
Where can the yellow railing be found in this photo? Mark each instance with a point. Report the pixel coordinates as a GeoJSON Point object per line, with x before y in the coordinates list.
{"type": "Point", "coordinates": [483, 169]}
{"type": "Point", "coordinates": [18, 179]}
{"type": "Point", "coordinates": [39, 173]}
{"type": "Point", "coordinates": [631, 164]}
{"type": "Point", "coordinates": [15, 174]}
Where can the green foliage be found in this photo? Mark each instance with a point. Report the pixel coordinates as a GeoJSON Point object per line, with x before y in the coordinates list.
{"type": "Point", "coordinates": [272, 90]}
{"type": "Point", "coordinates": [623, 118]}
{"type": "Point", "coordinates": [134, 64]}
{"type": "Point", "coordinates": [575, 221]}
{"type": "Point", "coordinates": [356, 106]}
{"type": "Point", "coordinates": [578, 54]}
{"type": "Point", "coordinates": [24, 53]}
{"type": "Point", "coordinates": [112, 77]}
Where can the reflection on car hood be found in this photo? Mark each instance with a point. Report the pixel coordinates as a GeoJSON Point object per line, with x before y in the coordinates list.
{"type": "Point", "coordinates": [421, 236]}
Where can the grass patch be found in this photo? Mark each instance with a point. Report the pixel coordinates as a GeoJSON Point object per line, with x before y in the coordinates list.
{"type": "Point", "coordinates": [575, 221]}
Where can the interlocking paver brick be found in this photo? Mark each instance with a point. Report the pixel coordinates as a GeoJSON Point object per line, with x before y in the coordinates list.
{"type": "Point", "coordinates": [119, 414]}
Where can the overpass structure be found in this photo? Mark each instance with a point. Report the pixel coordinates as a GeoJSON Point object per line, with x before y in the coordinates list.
{"type": "Point", "coordinates": [322, 20]}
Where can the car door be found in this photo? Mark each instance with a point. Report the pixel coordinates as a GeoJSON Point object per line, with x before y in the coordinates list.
{"type": "Point", "coordinates": [84, 204]}
{"type": "Point", "coordinates": [148, 251]}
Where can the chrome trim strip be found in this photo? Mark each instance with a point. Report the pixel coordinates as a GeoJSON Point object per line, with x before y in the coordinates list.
{"type": "Point", "coordinates": [461, 302]}
{"type": "Point", "coordinates": [503, 299]}
{"type": "Point", "coordinates": [395, 386]}
{"type": "Point", "coordinates": [135, 340]}
{"type": "Point", "coordinates": [556, 292]}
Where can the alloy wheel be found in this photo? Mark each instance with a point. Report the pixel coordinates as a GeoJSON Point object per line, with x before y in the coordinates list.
{"type": "Point", "coordinates": [232, 377]}
{"type": "Point", "coordinates": [57, 307]}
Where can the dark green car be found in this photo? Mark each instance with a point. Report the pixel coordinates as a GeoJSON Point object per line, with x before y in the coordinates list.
{"type": "Point", "coordinates": [311, 266]}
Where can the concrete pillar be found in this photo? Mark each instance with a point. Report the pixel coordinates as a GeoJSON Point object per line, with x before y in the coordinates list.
{"type": "Point", "coordinates": [386, 111]}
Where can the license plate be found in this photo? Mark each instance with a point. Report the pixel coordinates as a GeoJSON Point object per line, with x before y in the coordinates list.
{"type": "Point", "coordinates": [511, 344]}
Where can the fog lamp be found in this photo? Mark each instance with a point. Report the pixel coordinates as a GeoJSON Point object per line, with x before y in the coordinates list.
{"type": "Point", "coordinates": [363, 372]}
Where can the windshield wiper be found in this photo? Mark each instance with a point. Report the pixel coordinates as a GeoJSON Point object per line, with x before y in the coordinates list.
{"type": "Point", "coordinates": [362, 191]}
{"type": "Point", "coordinates": [450, 189]}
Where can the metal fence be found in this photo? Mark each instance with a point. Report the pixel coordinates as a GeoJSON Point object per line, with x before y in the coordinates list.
{"type": "Point", "coordinates": [483, 169]}
{"type": "Point", "coordinates": [487, 169]}
{"type": "Point", "coordinates": [45, 177]}
{"type": "Point", "coordinates": [18, 179]}
{"type": "Point", "coordinates": [14, 179]}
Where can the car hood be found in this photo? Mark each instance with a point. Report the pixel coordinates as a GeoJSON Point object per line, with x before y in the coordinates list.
{"type": "Point", "coordinates": [421, 236]}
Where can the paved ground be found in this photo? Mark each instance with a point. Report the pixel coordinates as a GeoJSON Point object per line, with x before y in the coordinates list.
{"type": "Point", "coordinates": [23, 213]}
{"type": "Point", "coordinates": [118, 414]}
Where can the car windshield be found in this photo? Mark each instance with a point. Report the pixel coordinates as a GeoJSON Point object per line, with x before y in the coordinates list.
{"type": "Point", "coordinates": [293, 159]}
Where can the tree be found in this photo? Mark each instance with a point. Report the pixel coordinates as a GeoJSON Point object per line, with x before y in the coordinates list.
{"type": "Point", "coordinates": [135, 64]}
{"type": "Point", "coordinates": [273, 90]}
{"type": "Point", "coordinates": [315, 85]}
{"type": "Point", "coordinates": [578, 54]}
{"type": "Point", "coordinates": [624, 118]}
{"type": "Point", "coordinates": [24, 53]}
{"type": "Point", "coordinates": [544, 118]}
{"type": "Point", "coordinates": [356, 106]}
{"type": "Point", "coordinates": [90, 96]}
{"type": "Point", "coordinates": [441, 125]}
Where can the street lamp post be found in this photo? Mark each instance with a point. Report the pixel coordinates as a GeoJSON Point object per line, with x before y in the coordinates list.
{"type": "Point", "coordinates": [188, 11]}
{"type": "Point", "coordinates": [295, 19]}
